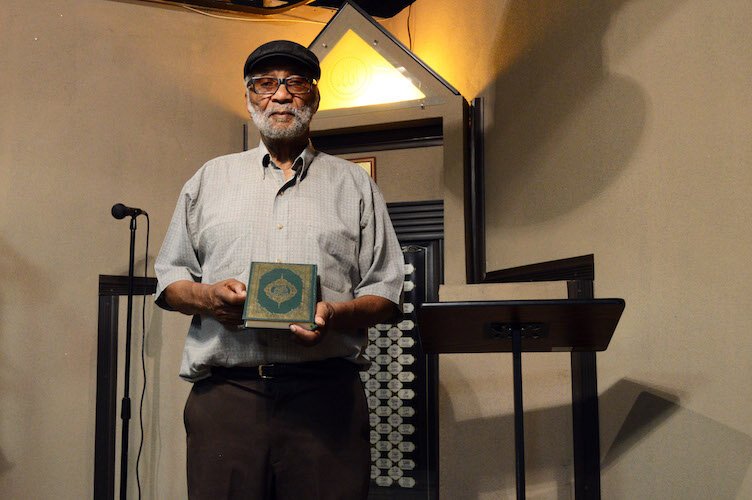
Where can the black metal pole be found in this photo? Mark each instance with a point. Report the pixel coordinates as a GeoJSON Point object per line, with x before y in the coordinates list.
{"type": "Point", "coordinates": [519, 426]}
{"type": "Point", "coordinates": [125, 412]}
{"type": "Point", "coordinates": [585, 421]}
{"type": "Point", "coordinates": [585, 427]}
{"type": "Point", "coordinates": [106, 415]}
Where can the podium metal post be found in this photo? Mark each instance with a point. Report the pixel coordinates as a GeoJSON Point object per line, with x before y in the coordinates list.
{"type": "Point", "coordinates": [519, 421]}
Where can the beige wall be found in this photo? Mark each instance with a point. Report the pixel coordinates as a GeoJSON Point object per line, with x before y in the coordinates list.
{"type": "Point", "coordinates": [615, 127]}
{"type": "Point", "coordinates": [619, 128]}
{"type": "Point", "coordinates": [100, 102]}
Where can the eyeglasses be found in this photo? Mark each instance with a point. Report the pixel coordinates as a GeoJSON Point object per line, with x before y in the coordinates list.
{"type": "Point", "coordinates": [268, 85]}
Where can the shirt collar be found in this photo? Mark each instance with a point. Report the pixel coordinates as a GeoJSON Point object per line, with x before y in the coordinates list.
{"type": "Point", "coordinates": [300, 165]}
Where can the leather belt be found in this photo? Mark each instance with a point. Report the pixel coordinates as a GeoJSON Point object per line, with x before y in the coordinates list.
{"type": "Point", "coordinates": [324, 368]}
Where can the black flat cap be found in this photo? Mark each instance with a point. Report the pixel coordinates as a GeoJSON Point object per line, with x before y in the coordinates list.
{"type": "Point", "coordinates": [283, 49]}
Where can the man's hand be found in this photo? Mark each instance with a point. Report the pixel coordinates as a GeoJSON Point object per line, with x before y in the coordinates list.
{"type": "Point", "coordinates": [324, 315]}
{"type": "Point", "coordinates": [223, 300]}
{"type": "Point", "coordinates": [361, 312]}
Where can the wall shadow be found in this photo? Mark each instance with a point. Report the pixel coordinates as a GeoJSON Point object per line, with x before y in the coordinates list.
{"type": "Point", "coordinates": [21, 279]}
{"type": "Point", "coordinates": [676, 452]}
{"type": "Point", "coordinates": [478, 453]}
{"type": "Point", "coordinates": [628, 418]}
{"type": "Point", "coordinates": [561, 127]}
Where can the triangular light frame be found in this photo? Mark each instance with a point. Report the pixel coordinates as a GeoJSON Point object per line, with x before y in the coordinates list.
{"type": "Point", "coordinates": [364, 67]}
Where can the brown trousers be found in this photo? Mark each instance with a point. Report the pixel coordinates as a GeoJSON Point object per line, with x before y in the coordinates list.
{"type": "Point", "coordinates": [281, 439]}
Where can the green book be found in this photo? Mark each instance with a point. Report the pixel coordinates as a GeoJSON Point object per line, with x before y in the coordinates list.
{"type": "Point", "coordinates": [279, 294]}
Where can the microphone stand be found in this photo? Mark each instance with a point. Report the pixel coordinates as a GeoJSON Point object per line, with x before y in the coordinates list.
{"type": "Point", "coordinates": [125, 412]}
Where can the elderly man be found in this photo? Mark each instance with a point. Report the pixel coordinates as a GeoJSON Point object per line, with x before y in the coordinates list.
{"type": "Point", "coordinates": [298, 426]}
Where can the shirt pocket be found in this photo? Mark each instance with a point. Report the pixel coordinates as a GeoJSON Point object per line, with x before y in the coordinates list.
{"type": "Point", "coordinates": [337, 259]}
{"type": "Point", "coordinates": [225, 250]}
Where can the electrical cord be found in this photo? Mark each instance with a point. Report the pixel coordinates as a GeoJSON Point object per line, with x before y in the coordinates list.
{"type": "Point", "coordinates": [249, 20]}
{"type": "Point", "coordinates": [409, 34]}
{"type": "Point", "coordinates": [143, 361]}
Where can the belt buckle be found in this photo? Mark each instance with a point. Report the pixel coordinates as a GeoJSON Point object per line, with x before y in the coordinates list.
{"type": "Point", "coordinates": [262, 369]}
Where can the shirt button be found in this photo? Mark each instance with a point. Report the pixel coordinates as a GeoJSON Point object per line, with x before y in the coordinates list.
{"type": "Point", "coordinates": [280, 226]}
{"type": "Point", "coordinates": [281, 193]}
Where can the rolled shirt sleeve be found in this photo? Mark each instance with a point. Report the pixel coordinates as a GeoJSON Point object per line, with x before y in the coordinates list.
{"type": "Point", "coordinates": [177, 259]}
{"type": "Point", "coordinates": [380, 258]}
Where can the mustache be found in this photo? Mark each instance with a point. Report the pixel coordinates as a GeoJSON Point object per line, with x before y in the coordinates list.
{"type": "Point", "coordinates": [269, 111]}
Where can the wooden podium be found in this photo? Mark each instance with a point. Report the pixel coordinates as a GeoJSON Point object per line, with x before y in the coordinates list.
{"type": "Point", "coordinates": [569, 325]}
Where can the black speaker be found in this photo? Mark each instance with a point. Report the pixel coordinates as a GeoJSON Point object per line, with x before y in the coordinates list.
{"type": "Point", "coordinates": [374, 8]}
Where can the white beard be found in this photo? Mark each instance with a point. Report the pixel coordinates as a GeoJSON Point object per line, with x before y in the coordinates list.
{"type": "Point", "coordinates": [293, 130]}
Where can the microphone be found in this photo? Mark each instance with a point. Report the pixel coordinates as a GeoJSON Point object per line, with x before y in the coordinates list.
{"type": "Point", "coordinates": [119, 211]}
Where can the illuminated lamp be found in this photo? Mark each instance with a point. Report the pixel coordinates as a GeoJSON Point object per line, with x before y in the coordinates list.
{"type": "Point", "coordinates": [354, 74]}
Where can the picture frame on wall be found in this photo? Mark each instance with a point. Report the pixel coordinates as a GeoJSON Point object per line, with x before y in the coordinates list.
{"type": "Point", "coordinates": [368, 164]}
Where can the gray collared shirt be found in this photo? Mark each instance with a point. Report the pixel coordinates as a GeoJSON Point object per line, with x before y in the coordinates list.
{"type": "Point", "coordinates": [239, 208]}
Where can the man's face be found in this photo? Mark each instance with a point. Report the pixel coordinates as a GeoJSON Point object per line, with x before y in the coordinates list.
{"type": "Point", "coordinates": [281, 115]}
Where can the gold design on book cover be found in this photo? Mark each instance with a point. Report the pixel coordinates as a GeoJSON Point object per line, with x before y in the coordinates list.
{"type": "Point", "coordinates": [274, 295]}
{"type": "Point", "coordinates": [280, 290]}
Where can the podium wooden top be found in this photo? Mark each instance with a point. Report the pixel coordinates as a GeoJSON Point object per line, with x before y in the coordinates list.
{"type": "Point", "coordinates": [546, 325]}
